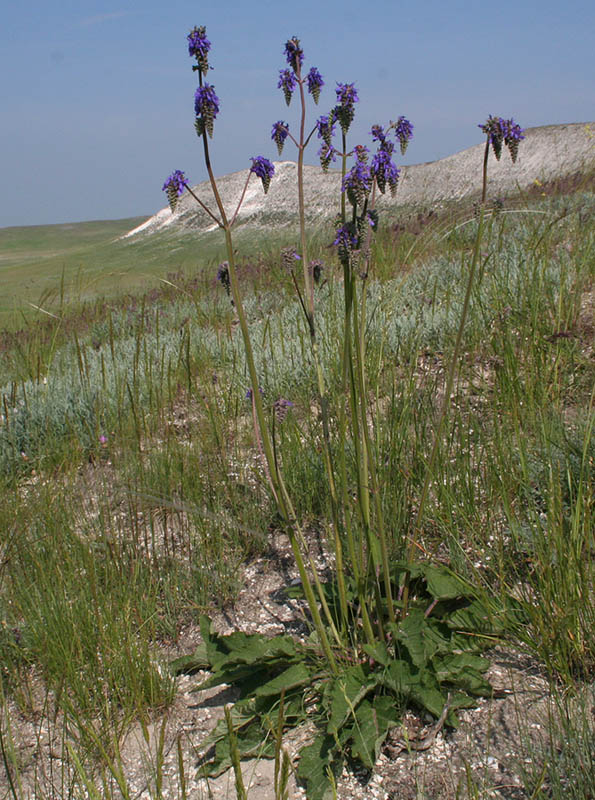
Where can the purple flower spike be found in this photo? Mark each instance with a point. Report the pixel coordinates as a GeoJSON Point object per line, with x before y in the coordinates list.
{"type": "Point", "coordinates": [294, 54]}
{"type": "Point", "coordinates": [315, 83]}
{"type": "Point", "coordinates": [206, 107]}
{"type": "Point", "coordinates": [279, 134]}
{"type": "Point", "coordinates": [357, 183]}
{"type": "Point", "coordinates": [326, 128]}
{"type": "Point", "coordinates": [385, 171]}
{"type": "Point", "coordinates": [198, 47]}
{"type": "Point", "coordinates": [263, 169]}
{"type": "Point", "coordinates": [404, 133]}
{"type": "Point", "coordinates": [174, 186]}
{"type": "Point", "coordinates": [503, 131]}
{"type": "Point", "coordinates": [287, 82]}
{"type": "Point", "coordinates": [346, 99]}
{"type": "Point", "coordinates": [378, 134]}
{"type": "Point", "coordinates": [346, 241]}
{"type": "Point", "coordinates": [346, 94]}
{"type": "Point", "coordinates": [327, 153]}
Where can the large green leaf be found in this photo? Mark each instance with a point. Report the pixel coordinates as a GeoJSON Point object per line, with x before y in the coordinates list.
{"type": "Point", "coordinates": [317, 760]}
{"type": "Point", "coordinates": [444, 584]}
{"type": "Point", "coordinates": [346, 692]}
{"type": "Point", "coordinates": [464, 670]}
{"type": "Point", "coordinates": [378, 652]}
{"type": "Point", "coordinates": [191, 663]}
{"type": "Point", "coordinates": [373, 721]}
{"type": "Point", "coordinates": [417, 685]}
{"type": "Point", "coordinates": [294, 676]}
{"type": "Point", "coordinates": [421, 637]}
{"type": "Point", "coordinates": [251, 741]}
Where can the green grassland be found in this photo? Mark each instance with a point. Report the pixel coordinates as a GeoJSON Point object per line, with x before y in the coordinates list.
{"type": "Point", "coordinates": [134, 497]}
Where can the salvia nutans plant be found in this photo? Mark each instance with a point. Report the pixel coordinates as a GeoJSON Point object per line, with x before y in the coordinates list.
{"type": "Point", "coordinates": [386, 633]}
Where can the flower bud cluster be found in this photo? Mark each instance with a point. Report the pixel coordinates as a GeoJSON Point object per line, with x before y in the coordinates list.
{"type": "Point", "coordinates": [263, 169]}
{"type": "Point", "coordinates": [174, 186]}
{"type": "Point", "coordinates": [315, 83]}
{"type": "Point", "coordinates": [289, 256]}
{"type": "Point", "coordinates": [346, 240]}
{"type": "Point", "coordinates": [294, 54]}
{"type": "Point", "coordinates": [279, 134]}
{"type": "Point", "coordinates": [503, 132]}
{"type": "Point", "coordinates": [206, 108]}
{"type": "Point", "coordinates": [357, 183]}
{"type": "Point", "coordinates": [383, 168]}
{"type": "Point", "coordinates": [404, 132]}
{"type": "Point", "coordinates": [198, 47]}
{"type": "Point", "coordinates": [346, 100]}
{"type": "Point", "coordinates": [287, 82]}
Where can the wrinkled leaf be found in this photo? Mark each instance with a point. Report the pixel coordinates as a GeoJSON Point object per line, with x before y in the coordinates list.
{"type": "Point", "coordinates": [347, 691]}
{"type": "Point", "coordinates": [294, 676]}
{"type": "Point", "coordinates": [316, 760]}
{"type": "Point", "coordinates": [373, 722]}
{"type": "Point", "coordinates": [444, 584]}
{"type": "Point", "coordinates": [191, 663]}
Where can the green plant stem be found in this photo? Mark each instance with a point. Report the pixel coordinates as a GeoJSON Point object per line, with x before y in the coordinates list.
{"type": "Point", "coordinates": [447, 394]}
{"type": "Point", "coordinates": [284, 502]}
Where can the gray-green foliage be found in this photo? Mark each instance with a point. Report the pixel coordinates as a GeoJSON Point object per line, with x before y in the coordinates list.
{"type": "Point", "coordinates": [128, 362]}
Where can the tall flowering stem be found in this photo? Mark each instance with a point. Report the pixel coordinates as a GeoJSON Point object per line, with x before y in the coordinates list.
{"type": "Point", "coordinates": [498, 132]}
{"type": "Point", "coordinates": [206, 105]}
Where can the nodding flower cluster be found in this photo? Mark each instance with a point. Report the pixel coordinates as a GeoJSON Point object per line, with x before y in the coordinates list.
{"type": "Point", "coordinates": [289, 78]}
{"type": "Point", "coordinates": [503, 132]}
{"type": "Point", "coordinates": [344, 111]}
{"type": "Point", "coordinates": [263, 169]}
{"type": "Point", "coordinates": [174, 186]}
{"type": "Point", "coordinates": [206, 108]}
{"type": "Point", "coordinates": [279, 134]}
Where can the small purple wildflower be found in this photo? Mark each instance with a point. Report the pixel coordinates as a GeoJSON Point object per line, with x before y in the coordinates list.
{"type": "Point", "coordinates": [357, 183]}
{"type": "Point", "coordinates": [198, 47]}
{"type": "Point", "coordinates": [281, 407]}
{"type": "Point", "coordinates": [378, 134]}
{"type": "Point", "coordinates": [174, 186]}
{"type": "Point", "coordinates": [385, 171]}
{"type": "Point", "coordinates": [361, 152]}
{"type": "Point", "coordinates": [346, 94]}
{"type": "Point", "coordinates": [346, 241]}
{"type": "Point", "coordinates": [103, 440]}
{"type": "Point", "coordinates": [289, 256]}
{"type": "Point", "coordinates": [326, 128]}
{"type": "Point", "coordinates": [294, 54]}
{"type": "Point", "coordinates": [327, 153]}
{"type": "Point", "coordinates": [404, 133]}
{"type": "Point", "coordinates": [315, 83]}
{"type": "Point", "coordinates": [263, 169]}
{"type": "Point", "coordinates": [287, 82]}
{"type": "Point", "coordinates": [206, 108]}
{"type": "Point", "coordinates": [249, 393]}
{"type": "Point", "coordinates": [279, 134]}
{"type": "Point", "coordinates": [346, 99]}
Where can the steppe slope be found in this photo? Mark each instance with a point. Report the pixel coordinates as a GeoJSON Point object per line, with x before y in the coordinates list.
{"type": "Point", "coordinates": [548, 153]}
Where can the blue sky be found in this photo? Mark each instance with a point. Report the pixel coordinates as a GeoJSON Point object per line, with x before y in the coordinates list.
{"type": "Point", "coordinates": [97, 97]}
